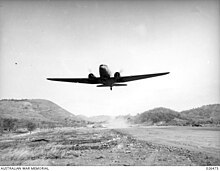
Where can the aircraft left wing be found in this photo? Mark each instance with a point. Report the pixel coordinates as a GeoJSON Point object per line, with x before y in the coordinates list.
{"type": "Point", "coordinates": [77, 80]}
{"type": "Point", "coordinates": [138, 77]}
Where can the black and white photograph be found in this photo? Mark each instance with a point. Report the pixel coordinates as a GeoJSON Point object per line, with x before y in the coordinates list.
{"type": "Point", "coordinates": [109, 83]}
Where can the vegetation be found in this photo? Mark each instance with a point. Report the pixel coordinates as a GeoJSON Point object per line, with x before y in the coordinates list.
{"type": "Point", "coordinates": [205, 115]}
{"type": "Point", "coordinates": [14, 125]}
{"type": "Point", "coordinates": [31, 126]}
{"type": "Point", "coordinates": [43, 113]}
{"type": "Point", "coordinates": [15, 114]}
{"type": "Point", "coordinates": [9, 124]}
{"type": "Point", "coordinates": [83, 147]}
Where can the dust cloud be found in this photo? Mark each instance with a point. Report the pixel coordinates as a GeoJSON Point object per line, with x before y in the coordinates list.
{"type": "Point", "coordinates": [117, 123]}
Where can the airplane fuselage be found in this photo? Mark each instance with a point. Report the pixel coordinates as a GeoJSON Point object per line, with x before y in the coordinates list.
{"type": "Point", "coordinates": [105, 75]}
{"type": "Point", "coordinates": [104, 72]}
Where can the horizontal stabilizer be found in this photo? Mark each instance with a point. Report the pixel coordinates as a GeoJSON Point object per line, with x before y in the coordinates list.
{"type": "Point", "coordinates": [102, 86]}
{"type": "Point", "coordinates": [112, 85]}
{"type": "Point", "coordinates": [119, 84]}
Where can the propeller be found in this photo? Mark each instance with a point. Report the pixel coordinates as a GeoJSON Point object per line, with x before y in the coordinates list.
{"type": "Point", "coordinates": [90, 70]}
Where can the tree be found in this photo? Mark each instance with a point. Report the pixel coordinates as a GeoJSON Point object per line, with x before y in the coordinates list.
{"type": "Point", "coordinates": [1, 125]}
{"type": "Point", "coordinates": [31, 126]}
{"type": "Point", "coordinates": [9, 124]}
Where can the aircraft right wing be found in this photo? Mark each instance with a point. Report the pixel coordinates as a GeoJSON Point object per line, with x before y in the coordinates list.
{"type": "Point", "coordinates": [77, 80]}
{"type": "Point", "coordinates": [138, 77]}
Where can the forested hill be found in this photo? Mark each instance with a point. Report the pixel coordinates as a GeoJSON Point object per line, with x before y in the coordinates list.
{"type": "Point", "coordinates": [36, 110]}
{"type": "Point", "coordinates": [208, 114]}
{"type": "Point", "coordinates": [44, 111]}
{"type": "Point", "coordinates": [204, 113]}
{"type": "Point", "coordinates": [158, 116]}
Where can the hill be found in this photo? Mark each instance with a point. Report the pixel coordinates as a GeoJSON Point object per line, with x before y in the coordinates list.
{"type": "Point", "coordinates": [46, 112]}
{"type": "Point", "coordinates": [205, 114]}
{"type": "Point", "coordinates": [36, 110]}
{"type": "Point", "coordinates": [159, 116]}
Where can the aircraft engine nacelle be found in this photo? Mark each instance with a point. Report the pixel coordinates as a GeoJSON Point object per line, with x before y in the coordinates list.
{"type": "Point", "coordinates": [117, 75]}
{"type": "Point", "coordinates": [91, 76]}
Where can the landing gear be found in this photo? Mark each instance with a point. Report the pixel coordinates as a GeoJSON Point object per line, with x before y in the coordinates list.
{"type": "Point", "coordinates": [110, 88]}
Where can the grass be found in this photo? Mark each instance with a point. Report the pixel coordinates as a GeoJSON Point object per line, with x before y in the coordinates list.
{"type": "Point", "coordinates": [62, 145]}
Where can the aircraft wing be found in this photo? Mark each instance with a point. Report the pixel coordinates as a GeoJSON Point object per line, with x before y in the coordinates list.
{"type": "Point", "coordinates": [77, 80]}
{"type": "Point", "coordinates": [138, 77]}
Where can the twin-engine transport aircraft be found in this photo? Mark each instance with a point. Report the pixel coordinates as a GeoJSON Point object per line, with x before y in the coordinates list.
{"type": "Point", "coordinates": [105, 79]}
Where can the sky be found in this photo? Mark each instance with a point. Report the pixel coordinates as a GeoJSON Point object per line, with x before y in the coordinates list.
{"type": "Point", "coordinates": [41, 39]}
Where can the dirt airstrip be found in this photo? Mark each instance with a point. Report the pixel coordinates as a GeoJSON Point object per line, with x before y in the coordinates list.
{"type": "Point", "coordinates": [112, 147]}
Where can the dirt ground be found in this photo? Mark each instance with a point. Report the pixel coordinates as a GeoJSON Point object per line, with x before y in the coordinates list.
{"type": "Point", "coordinates": [200, 139]}
{"type": "Point", "coordinates": [112, 147]}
